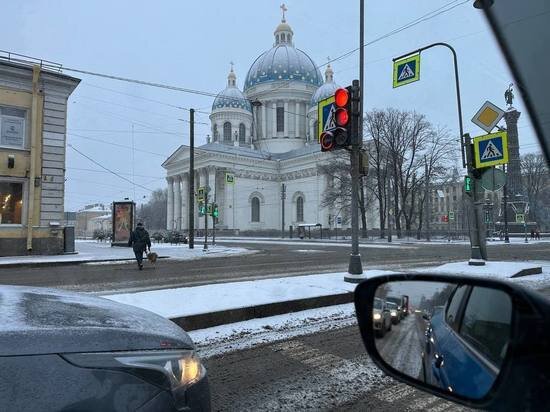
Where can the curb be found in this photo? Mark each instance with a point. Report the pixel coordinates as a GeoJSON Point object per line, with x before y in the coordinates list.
{"type": "Point", "coordinates": [223, 317]}
{"type": "Point", "coordinates": [64, 263]}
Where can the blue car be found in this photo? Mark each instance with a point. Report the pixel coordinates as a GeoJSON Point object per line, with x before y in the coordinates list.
{"type": "Point", "coordinates": [466, 341]}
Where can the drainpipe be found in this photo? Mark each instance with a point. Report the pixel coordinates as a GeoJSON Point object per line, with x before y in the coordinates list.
{"type": "Point", "coordinates": [34, 138]}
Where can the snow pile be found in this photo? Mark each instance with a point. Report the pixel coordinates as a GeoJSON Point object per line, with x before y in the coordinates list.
{"type": "Point", "coordinates": [195, 300]}
{"type": "Point", "coordinates": [503, 270]}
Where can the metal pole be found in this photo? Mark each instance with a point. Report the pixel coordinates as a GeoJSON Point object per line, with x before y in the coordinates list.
{"type": "Point", "coordinates": [355, 267]}
{"type": "Point", "coordinates": [283, 196]}
{"type": "Point", "coordinates": [428, 198]}
{"type": "Point", "coordinates": [205, 246]}
{"type": "Point", "coordinates": [477, 255]}
{"type": "Point", "coordinates": [388, 207]}
{"type": "Point", "coordinates": [506, 237]}
{"type": "Point", "coordinates": [191, 198]}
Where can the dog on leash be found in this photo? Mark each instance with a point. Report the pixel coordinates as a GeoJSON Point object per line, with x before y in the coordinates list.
{"type": "Point", "coordinates": [152, 257]}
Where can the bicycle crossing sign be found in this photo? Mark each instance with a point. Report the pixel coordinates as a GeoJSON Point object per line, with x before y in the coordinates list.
{"type": "Point", "coordinates": [491, 150]}
{"type": "Point", "coordinates": [406, 70]}
{"type": "Point", "coordinates": [325, 114]}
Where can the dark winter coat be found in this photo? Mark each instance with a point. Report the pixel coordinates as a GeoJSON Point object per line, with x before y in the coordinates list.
{"type": "Point", "coordinates": [139, 239]}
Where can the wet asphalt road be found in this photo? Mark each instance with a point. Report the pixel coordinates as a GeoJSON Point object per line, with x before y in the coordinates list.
{"type": "Point", "coordinates": [271, 260]}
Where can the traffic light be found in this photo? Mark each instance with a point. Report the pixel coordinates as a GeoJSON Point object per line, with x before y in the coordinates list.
{"type": "Point", "coordinates": [209, 209]}
{"type": "Point", "coordinates": [339, 136]}
{"type": "Point", "coordinates": [202, 209]}
{"type": "Point", "coordinates": [342, 118]}
{"type": "Point", "coordinates": [467, 184]}
{"type": "Point", "coordinates": [215, 212]}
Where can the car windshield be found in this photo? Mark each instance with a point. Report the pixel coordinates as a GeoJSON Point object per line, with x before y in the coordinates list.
{"type": "Point", "coordinates": [215, 178]}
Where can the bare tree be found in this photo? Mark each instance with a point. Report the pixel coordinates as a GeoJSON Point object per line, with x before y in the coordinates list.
{"type": "Point", "coordinates": [536, 179]}
{"type": "Point", "coordinates": [153, 213]}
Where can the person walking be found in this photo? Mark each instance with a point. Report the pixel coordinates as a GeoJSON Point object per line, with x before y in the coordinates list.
{"type": "Point", "coordinates": [140, 241]}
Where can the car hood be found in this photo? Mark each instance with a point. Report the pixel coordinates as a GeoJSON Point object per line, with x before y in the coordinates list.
{"type": "Point", "coordinates": [41, 320]}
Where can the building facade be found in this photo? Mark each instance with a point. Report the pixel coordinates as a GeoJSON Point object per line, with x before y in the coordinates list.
{"type": "Point", "coordinates": [33, 113]}
{"type": "Point", "coordinates": [262, 160]}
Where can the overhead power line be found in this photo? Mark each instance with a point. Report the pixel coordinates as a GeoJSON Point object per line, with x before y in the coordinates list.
{"type": "Point", "coordinates": [106, 168]}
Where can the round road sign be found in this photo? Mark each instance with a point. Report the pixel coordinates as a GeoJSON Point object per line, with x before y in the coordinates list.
{"type": "Point", "coordinates": [493, 179]}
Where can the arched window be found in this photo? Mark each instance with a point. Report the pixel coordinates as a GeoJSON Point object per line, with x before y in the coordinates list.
{"type": "Point", "coordinates": [300, 209]}
{"type": "Point", "coordinates": [242, 132]}
{"type": "Point", "coordinates": [255, 206]}
{"type": "Point", "coordinates": [283, 37]}
{"type": "Point", "coordinates": [227, 132]}
{"type": "Point", "coordinates": [277, 39]}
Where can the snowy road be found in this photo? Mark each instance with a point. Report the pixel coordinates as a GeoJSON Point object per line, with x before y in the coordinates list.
{"type": "Point", "coordinates": [402, 346]}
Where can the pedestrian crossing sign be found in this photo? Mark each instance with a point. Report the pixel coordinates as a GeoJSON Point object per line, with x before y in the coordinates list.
{"type": "Point", "coordinates": [406, 70]}
{"type": "Point", "coordinates": [491, 150]}
{"type": "Point", "coordinates": [325, 114]}
{"type": "Point", "coordinates": [229, 178]}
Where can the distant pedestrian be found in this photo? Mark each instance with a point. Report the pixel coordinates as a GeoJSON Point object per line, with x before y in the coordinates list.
{"type": "Point", "coordinates": [140, 241]}
{"type": "Point", "coordinates": [532, 233]}
{"type": "Point", "coordinates": [537, 233]}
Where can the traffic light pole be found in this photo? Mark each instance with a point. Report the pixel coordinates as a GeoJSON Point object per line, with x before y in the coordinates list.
{"type": "Point", "coordinates": [355, 268]}
{"type": "Point", "coordinates": [477, 238]}
{"type": "Point", "coordinates": [191, 194]}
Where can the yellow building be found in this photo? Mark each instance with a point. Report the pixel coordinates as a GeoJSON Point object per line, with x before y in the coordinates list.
{"type": "Point", "coordinates": [33, 119]}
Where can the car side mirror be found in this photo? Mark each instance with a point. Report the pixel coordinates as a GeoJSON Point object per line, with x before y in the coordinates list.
{"type": "Point", "coordinates": [483, 340]}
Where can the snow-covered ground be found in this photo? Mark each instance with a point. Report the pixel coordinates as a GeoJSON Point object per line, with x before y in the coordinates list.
{"type": "Point", "coordinates": [195, 300]}
{"type": "Point", "coordinates": [93, 251]}
{"type": "Point", "coordinates": [502, 270]}
{"type": "Point", "coordinates": [243, 335]}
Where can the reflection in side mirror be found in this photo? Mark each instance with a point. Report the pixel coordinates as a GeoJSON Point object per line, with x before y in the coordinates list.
{"type": "Point", "coordinates": [450, 336]}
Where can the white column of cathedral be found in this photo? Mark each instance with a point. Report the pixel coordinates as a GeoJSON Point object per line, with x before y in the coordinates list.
{"type": "Point", "coordinates": [184, 201]}
{"type": "Point", "coordinates": [297, 120]}
{"type": "Point", "coordinates": [211, 182]}
{"type": "Point", "coordinates": [264, 122]}
{"type": "Point", "coordinates": [170, 205]}
{"type": "Point", "coordinates": [197, 185]}
{"type": "Point", "coordinates": [285, 117]}
{"type": "Point", "coordinates": [177, 202]}
{"type": "Point", "coordinates": [274, 119]}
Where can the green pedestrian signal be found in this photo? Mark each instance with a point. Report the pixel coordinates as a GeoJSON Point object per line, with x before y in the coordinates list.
{"type": "Point", "coordinates": [209, 209]}
{"type": "Point", "coordinates": [202, 209]}
{"type": "Point", "coordinates": [468, 184]}
{"type": "Point", "coordinates": [215, 212]}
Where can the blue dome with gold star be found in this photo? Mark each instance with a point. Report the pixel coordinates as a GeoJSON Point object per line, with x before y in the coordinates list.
{"type": "Point", "coordinates": [283, 62]}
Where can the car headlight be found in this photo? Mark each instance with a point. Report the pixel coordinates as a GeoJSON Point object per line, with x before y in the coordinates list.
{"type": "Point", "coordinates": [183, 368]}
{"type": "Point", "coordinates": [393, 313]}
{"type": "Point", "coordinates": [377, 316]}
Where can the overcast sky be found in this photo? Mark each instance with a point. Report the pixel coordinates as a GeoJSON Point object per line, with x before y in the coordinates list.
{"type": "Point", "coordinates": [190, 44]}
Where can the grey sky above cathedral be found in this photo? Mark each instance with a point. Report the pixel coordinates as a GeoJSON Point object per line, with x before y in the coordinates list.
{"type": "Point", "coordinates": [191, 44]}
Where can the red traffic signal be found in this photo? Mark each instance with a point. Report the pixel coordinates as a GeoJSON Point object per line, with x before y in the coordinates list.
{"type": "Point", "coordinates": [327, 141]}
{"type": "Point", "coordinates": [445, 218]}
{"type": "Point", "coordinates": [341, 97]}
{"type": "Point", "coordinates": [341, 116]}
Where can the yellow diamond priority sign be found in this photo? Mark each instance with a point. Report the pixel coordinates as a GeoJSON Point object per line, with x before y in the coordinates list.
{"type": "Point", "coordinates": [488, 116]}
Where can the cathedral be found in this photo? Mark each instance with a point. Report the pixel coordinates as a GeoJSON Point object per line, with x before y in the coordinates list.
{"type": "Point", "coordinates": [261, 160]}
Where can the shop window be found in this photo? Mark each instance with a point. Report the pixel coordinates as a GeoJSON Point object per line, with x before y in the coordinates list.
{"type": "Point", "coordinates": [11, 203]}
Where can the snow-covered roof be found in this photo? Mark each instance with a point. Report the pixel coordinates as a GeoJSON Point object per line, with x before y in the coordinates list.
{"type": "Point", "coordinates": [103, 217]}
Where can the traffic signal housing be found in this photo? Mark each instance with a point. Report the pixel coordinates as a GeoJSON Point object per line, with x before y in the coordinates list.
{"type": "Point", "coordinates": [342, 118]}
{"type": "Point", "coordinates": [468, 185]}
{"type": "Point", "coordinates": [339, 136]}
{"type": "Point", "coordinates": [215, 211]}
